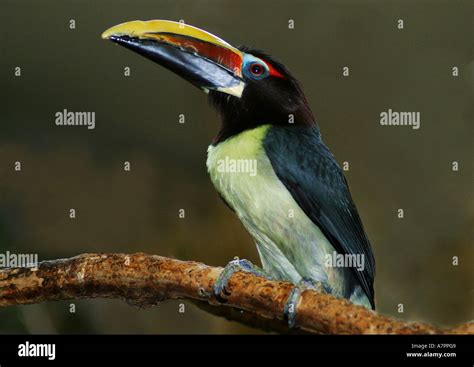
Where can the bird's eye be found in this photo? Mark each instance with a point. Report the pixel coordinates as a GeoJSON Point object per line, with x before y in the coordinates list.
{"type": "Point", "coordinates": [256, 69]}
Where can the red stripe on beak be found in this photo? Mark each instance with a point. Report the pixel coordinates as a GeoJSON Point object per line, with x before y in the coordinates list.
{"type": "Point", "coordinates": [220, 55]}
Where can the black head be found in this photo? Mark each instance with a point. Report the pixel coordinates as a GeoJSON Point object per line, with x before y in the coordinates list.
{"type": "Point", "coordinates": [271, 96]}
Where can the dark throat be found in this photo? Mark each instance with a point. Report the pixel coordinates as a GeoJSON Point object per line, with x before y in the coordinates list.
{"type": "Point", "coordinates": [237, 118]}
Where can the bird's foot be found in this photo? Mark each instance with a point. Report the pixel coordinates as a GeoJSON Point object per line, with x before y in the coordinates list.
{"type": "Point", "coordinates": [220, 286]}
{"type": "Point", "coordinates": [295, 295]}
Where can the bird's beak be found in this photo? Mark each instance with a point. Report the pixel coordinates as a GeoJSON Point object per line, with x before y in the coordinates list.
{"type": "Point", "coordinates": [196, 55]}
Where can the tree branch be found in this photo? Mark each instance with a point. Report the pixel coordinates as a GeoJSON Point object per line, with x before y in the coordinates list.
{"type": "Point", "coordinates": [145, 280]}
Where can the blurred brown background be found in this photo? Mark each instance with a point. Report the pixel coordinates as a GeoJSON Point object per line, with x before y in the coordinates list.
{"type": "Point", "coordinates": [137, 121]}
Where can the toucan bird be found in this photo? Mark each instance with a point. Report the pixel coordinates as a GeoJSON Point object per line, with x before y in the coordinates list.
{"type": "Point", "coordinates": [295, 202]}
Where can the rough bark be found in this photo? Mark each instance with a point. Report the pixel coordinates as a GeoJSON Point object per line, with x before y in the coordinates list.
{"type": "Point", "coordinates": [145, 280]}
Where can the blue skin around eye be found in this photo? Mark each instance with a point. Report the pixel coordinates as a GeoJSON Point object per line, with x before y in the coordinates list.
{"type": "Point", "coordinates": [248, 61]}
